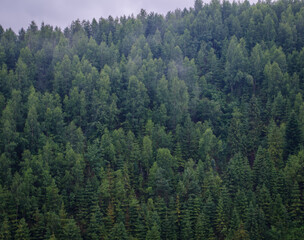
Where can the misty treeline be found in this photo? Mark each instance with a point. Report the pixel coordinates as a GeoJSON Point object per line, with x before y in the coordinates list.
{"type": "Point", "coordinates": [184, 126]}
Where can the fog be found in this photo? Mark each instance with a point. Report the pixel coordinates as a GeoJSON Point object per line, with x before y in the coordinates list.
{"type": "Point", "coordinates": [16, 14]}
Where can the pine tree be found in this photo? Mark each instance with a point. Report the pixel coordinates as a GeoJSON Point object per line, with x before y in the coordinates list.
{"type": "Point", "coordinates": [239, 175]}
{"type": "Point", "coordinates": [135, 106]}
{"type": "Point", "coordinates": [278, 215]}
{"type": "Point", "coordinates": [178, 101]}
{"type": "Point", "coordinates": [179, 158]}
{"type": "Point", "coordinates": [264, 201]}
{"type": "Point", "coordinates": [255, 128]}
{"type": "Point", "coordinates": [221, 220]}
{"type": "Point", "coordinates": [147, 154]}
{"type": "Point", "coordinates": [71, 230]}
{"type": "Point", "coordinates": [153, 233]}
{"type": "Point", "coordinates": [53, 200]}
{"type": "Point", "coordinates": [5, 231]}
{"type": "Point", "coordinates": [133, 212]}
{"type": "Point", "coordinates": [186, 227]}
{"type": "Point", "coordinates": [210, 211]}
{"type": "Point", "coordinates": [275, 142]}
{"type": "Point", "coordinates": [10, 122]}
{"type": "Point", "coordinates": [241, 233]}
{"type": "Point", "coordinates": [94, 230]}
{"type": "Point", "coordinates": [251, 223]}
{"type": "Point", "coordinates": [22, 232]}
{"type": "Point", "coordinates": [293, 136]}
{"type": "Point", "coordinates": [119, 232]}
{"type": "Point", "coordinates": [199, 228]}
{"type": "Point", "coordinates": [63, 76]}
{"type": "Point", "coordinates": [263, 169]}
{"type": "Point", "coordinates": [38, 229]}
{"type": "Point", "coordinates": [235, 138]}
{"type": "Point", "coordinates": [194, 208]}
{"type": "Point", "coordinates": [235, 220]}
{"type": "Point", "coordinates": [203, 228]}
{"type": "Point", "coordinates": [296, 207]}
{"type": "Point", "coordinates": [241, 203]}
{"type": "Point", "coordinates": [163, 213]}
{"type": "Point", "coordinates": [32, 127]}
{"type": "Point", "coordinates": [53, 237]}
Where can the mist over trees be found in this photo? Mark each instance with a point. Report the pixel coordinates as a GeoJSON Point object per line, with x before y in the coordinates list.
{"type": "Point", "coordinates": [184, 126]}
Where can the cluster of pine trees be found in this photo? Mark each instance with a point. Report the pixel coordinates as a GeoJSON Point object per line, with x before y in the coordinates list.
{"type": "Point", "coordinates": [185, 126]}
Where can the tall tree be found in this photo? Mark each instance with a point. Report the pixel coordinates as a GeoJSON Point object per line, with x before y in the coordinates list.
{"type": "Point", "coordinates": [293, 136]}
{"type": "Point", "coordinates": [22, 232]}
{"type": "Point", "coordinates": [136, 104]}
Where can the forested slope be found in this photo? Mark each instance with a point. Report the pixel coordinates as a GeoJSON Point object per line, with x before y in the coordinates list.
{"type": "Point", "coordinates": [184, 126]}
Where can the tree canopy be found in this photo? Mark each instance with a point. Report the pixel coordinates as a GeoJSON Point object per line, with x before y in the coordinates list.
{"type": "Point", "coordinates": [188, 125]}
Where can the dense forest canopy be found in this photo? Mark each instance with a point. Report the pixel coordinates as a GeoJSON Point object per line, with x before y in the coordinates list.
{"type": "Point", "coordinates": [184, 126]}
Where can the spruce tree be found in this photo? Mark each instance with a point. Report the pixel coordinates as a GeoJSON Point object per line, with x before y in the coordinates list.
{"type": "Point", "coordinates": [119, 232]}
{"type": "Point", "coordinates": [22, 232]}
{"type": "Point", "coordinates": [5, 231]}
{"type": "Point", "coordinates": [153, 233]}
{"type": "Point", "coordinates": [293, 136]}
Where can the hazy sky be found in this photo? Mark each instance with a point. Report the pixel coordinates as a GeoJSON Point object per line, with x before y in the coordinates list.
{"type": "Point", "coordinates": [19, 13]}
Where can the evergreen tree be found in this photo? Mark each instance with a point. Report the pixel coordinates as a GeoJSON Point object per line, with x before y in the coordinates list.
{"type": "Point", "coordinates": [186, 228]}
{"type": "Point", "coordinates": [38, 229]}
{"type": "Point", "coordinates": [22, 232]}
{"type": "Point", "coordinates": [235, 134]}
{"type": "Point", "coordinates": [119, 232]}
{"type": "Point", "coordinates": [296, 205]}
{"type": "Point", "coordinates": [71, 230]}
{"type": "Point", "coordinates": [153, 233]}
{"type": "Point", "coordinates": [275, 141]}
{"type": "Point", "coordinates": [241, 233]}
{"type": "Point", "coordinates": [179, 126]}
{"type": "Point", "coordinates": [251, 223]}
{"type": "Point", "coordinates": [5, 233]}
{"type": "Point", "coordinates": [293, 136]}
{"type": "Point", "coordinates": [137, 101]}
{"type": "Point", "coordinates": [63, 76]}
{"type": "Point", "coordinates": [278, 216]}
{"type": "Point", "coordinates": [221, 219]}
{"type": "Point", "coordinates": [239, 174]}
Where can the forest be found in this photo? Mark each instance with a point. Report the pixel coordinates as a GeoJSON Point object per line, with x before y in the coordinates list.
{"type": "Point", "coordinates": [188, 125]}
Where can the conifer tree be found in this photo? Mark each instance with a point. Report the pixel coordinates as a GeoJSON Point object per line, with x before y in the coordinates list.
{"type": "Point", "coordinates": [22, 232]}
{"type": "Point", "coordinates": [71, 230]}
{"type": "Point", "coordinates": [293, 136]}
{"type": "Point", "coordinates": [119, 232]}
{"type": "Point", "coordinates": [186, 226]}
{"type": "Point", "coordinates": [5, 232]}
{"type": "Point", "coordinates": [241, 233]}
{"type": "Point", "coordinates": [221, 220]}
{"type": "Point", "coordinates": [251, 223]}
{"type": "Point", "coordinates": [153, 233]}
{"type": "Point", "coordinates": [296, 205]}
{"type": "Point", "coordinates": [275, 142]}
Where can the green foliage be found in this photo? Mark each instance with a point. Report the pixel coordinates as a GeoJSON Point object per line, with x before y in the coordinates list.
{"type": "Point", "coordinates": [71, 230]}
{"type": "Point", "coordinates": [184, 126]}
{"type": "Point", "coordinates": [153, 233]}
{"type": "Point", "coordinates": [119, 232]}
{"type": "Point", "coordinates": [5, 233]}
{"type": "Point", "coordinates": [293, 136]}
{"type": "Point", "coordinates": [22, 232]}
{"type": "Point", "coordinates": [239, 174]}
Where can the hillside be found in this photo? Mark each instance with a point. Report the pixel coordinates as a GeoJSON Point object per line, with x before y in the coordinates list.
{"type": "Point", "coordinates": [185, 126]}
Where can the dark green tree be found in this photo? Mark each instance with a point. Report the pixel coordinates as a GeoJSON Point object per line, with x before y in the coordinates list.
{"type": "Point", "coordinates": [136, 104]}
{"type": "Point", "coordinates": [153, 233]}
{"type": "Point", "coordinates": [293, 136]}
{"type": "Point", "coordinates": [22, 232]}
{"type": "Point", "coordinates": [119, 232]}
{"type": "Point", "coordinates": [71, 230]}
